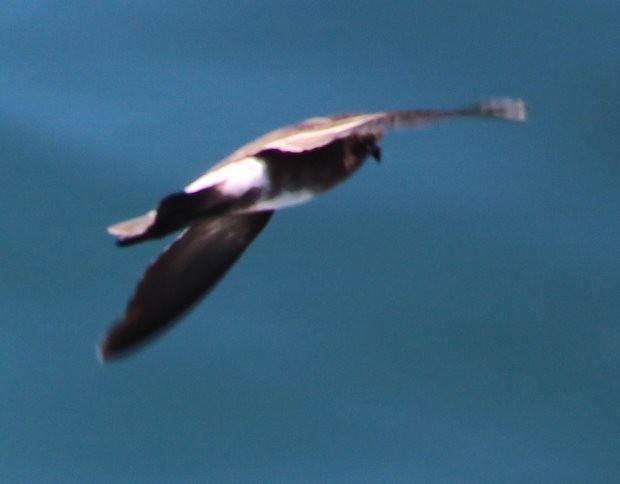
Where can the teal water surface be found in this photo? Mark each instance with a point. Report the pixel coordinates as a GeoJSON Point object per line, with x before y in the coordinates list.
{"type": "Point", "coordinates": [450, 315]}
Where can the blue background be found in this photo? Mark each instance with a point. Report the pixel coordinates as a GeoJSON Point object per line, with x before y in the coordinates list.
{"type": "Point", "coordinates": [451, 315]}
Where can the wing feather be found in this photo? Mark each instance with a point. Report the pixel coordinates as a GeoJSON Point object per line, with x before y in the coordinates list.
{"type": "Point", "coordinates": [188, 269]}
{"type": "Point", "coordinates": [317, 132]}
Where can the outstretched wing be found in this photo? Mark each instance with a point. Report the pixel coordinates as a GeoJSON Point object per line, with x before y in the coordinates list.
{"type": "Point", "coordinates": [317, 132]}
{"type": "Point", "coordinates": [183, 273]}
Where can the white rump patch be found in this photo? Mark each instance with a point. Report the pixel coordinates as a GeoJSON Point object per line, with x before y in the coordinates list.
{"type": "Point", "coordinates": [233, 179]}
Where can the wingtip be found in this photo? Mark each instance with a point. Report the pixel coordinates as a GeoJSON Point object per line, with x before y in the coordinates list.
{"type": "Point", "coordinates": [132, 227]}
{"type": "Point", "coordinates": [106, 353]}
{"type": "Point", "coordinates": [110, 348]}
{"type": "Point", "coordinates": [505, 108]}
{"type": "Point", "coordinates": [102, 356]}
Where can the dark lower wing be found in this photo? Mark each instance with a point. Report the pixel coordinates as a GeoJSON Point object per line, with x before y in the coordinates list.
{"type": "Point", "coordinates": [183, 273]}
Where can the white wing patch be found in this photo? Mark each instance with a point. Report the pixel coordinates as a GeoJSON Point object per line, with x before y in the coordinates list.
{"type": "Point", "coordinates": [234, 179]}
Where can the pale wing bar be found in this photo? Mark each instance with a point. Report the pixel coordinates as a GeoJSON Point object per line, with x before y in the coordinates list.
{"type": "Point", "coordinates": [321, 131]}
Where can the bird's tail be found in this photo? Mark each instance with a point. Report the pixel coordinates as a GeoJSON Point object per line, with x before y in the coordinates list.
{"type": "Point", "coordinates": [133, 230]}
{"type": "Point", "coordinates": [173, 213]}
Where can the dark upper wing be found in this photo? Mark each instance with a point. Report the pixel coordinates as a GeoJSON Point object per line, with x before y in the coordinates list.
{"type": "Point", "coordinates": [184, 272]}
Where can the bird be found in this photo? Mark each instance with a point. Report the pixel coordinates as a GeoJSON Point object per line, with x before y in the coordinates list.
{"type": "Point", "coordinates": [220, 213]}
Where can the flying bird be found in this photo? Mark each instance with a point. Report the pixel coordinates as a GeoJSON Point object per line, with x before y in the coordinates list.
{"type": "Point", "coordinates": [221, 213]}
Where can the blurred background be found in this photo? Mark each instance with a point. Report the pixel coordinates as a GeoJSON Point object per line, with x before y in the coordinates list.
{"type": "Point", "coordinates": [451, 315]}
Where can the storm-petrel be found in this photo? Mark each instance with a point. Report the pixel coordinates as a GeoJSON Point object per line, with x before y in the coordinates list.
{"type": "Point", "coordinates": [221, 212]}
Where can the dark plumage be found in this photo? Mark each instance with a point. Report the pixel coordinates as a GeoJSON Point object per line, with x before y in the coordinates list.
{"type": "Point", "coordinates": [225, 209]}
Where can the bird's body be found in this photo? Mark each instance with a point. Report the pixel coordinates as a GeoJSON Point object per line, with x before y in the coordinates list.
{"type": "Point", "coordinates": [222, 211]}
